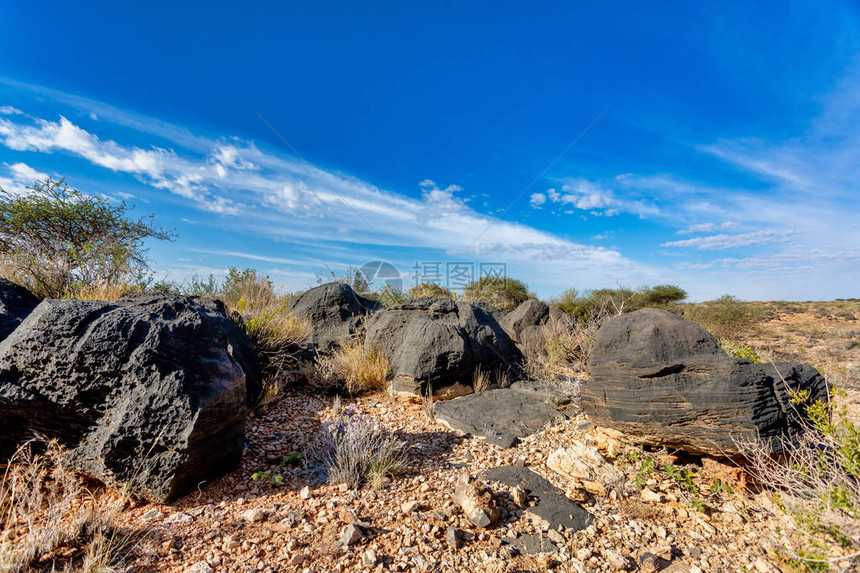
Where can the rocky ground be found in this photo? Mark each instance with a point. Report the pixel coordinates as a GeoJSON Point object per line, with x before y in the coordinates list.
{"type": "Point", "coordinates": [412, 524]}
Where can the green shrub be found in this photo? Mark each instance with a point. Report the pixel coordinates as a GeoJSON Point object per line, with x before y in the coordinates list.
{"type": "Point", "coordinates": [502, 292]}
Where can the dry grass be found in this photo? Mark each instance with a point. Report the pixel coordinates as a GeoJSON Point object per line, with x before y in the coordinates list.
{"type": "Point", "coordinates": [48, 517]}
{"type": "Point", "coordinates": [103, 291]}
{"type": "Point", "coordinates": [481, 380]}
{"type": "Point", "coordinates": [567, 345]}
{"type": "Point", "coordinates": [354, 367]}
{"type": "Point", "coordinates": [265, 316]}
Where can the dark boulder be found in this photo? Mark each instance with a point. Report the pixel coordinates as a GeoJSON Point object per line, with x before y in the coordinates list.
{"type": "Point", "coordinates": [532, 322]}
{"type": "Point", "coordinates": [664, 381]}
{"type": "Point", "coordinates": [438, 342]}
{"type": "Point", "coordinates": [147, 394]}
{"type": "Point", "coordinates": [16, 303]}
{"type": "Point", "coordinates": [334, 311]}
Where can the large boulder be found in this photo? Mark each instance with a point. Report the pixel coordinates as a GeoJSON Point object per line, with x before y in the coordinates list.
{"type": "Point", "coordinates": [437, 343]}
{"type": "Point", "coordinates": [334, 311]}
{"type": "Point", "coordinates": [662, 380]}
{"type": "Point", "coordinates": [147, 394]}
{"type": "Point", "coordinates": [16, 303]}
{"type": "Point", "coordinates": [532, 321]}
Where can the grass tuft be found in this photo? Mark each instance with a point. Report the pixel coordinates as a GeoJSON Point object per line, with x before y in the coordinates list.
{"type": "Point", "coordinates": [354, 367]}
{"type": "Point", "coordinates": [45, 509]}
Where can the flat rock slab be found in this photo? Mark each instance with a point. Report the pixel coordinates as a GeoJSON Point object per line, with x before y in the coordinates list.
{"type": "Point", "coordinates": [533, 544]}
{"type": "Point", "coordinates": [551, 504]}
{"type": "Point", "coordinates": [502, 412]}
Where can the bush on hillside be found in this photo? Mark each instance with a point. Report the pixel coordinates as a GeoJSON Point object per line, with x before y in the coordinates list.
{"type": "Point", "coordinates": [430, 289]}
{"type": "Point", "coordinates": [502, 292]}
{"type": "Point", "coordinates": [725, 317]}
{"type": "Point", "coordinates": [55, 239]}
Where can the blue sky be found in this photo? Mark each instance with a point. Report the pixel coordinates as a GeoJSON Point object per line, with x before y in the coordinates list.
{"type": "Point", "coordinates": [585, 145]}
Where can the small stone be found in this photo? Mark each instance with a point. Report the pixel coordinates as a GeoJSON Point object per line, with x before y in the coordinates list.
{"type": "Point", "coordinates": [254, 515]}
{"type": "Point", "coordinates": [695, 569]}
{"type": "Point", "coordinates": [351, 535]}
{"type": "Point", "coordinates": [616, 559]}
{"type": "Point", "coordinates": [152, 515]}
{"type": "Point", "coordinates": [556, 537]}
{"type": "Point", "coordinates": [454, 537]}
{"type": "Point", "coordinates": [369, 558]}
{"type": "Point", "coordinates": [297, 559]}
{"type": "Point", "coordinates": [650, 496]}
{"type": "Point", "coordinates": [648, 563]}
{"type": "Point", "coordinates": [305, 493]}
{"type": "Point", "coordinates": [520, 496]}
{"type": "Point", "coordinates": [583, 553]}
{"type": "Point", "coordinates": [178, 518]}
{"type": "Point", "coordinates": [761, 565]}
{"type": "Point", "coordinates": [410, 506]}
{"type": "Point", "coordinates": [200, 567]}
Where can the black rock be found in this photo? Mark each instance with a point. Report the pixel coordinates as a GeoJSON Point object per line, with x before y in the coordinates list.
{"type": "Point", "coordinates": [16, 303]}
{"type": "Point", "coordinates": [334, 311]}
{"type": "Point", "coordinates": [496, 414]}
{"type": "Point", "coordinates": [661, 380]}
{"type": "Point", "coordinates": [532, 321]}
{"type": "Point", "coordinates": [148, 394]}
{"type": "Point", "coordinates": [438, 342]}
{"type": "Point", "coordinates": [551, 506]}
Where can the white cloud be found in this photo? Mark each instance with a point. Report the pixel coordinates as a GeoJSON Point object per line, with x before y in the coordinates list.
{"type": "Point", "coordinates": [9, 110]}
{"type": "Point", "coordinates": [19, 177]}
{"type": "Point", "coordinates": [158, 167]}
{"type": "Point", "coordinates": [584, 195]}
{"type": "Point", "coordinates": [724, 241]}
{"type": "Point", "coordinates": [708, 228]}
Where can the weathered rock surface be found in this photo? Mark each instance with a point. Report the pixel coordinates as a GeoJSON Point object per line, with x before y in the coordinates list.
{"type": "Point", "coordinates": [334, 311]}
{"type": "Point", "coordinates": [551, 505]}
{"type": "Point", "coordinates": [438, 342]}
{"type": "Point", "coordinates": [662, 380]}
{"type": "Point", "coordinates": [147, 393]}
{"type": "Point", "coordinates": [500, 412]}
{"type": "Point", "coordinates": [16, 303]}
{"type": "Point", "coordinates": [529, 324]}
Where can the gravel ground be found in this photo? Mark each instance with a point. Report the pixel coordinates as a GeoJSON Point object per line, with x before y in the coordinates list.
{"type": "Point", "coordinates": [238, 524]}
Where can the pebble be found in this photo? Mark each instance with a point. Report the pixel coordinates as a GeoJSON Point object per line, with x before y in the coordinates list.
{"type": "Point", "coordinates": [369, 558]}
{"type": "Point", "coordinates": [305, 493]}
{"type": "Point", "coordinates": [351, 535]}
{"type": "Point", "coordinates": [254, 515]}
{"type": "Point", "coordinates": [410, 506]}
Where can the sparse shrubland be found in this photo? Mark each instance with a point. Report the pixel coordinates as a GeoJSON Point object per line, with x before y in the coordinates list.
{"type": "Point", "coordinates": [49, 517]}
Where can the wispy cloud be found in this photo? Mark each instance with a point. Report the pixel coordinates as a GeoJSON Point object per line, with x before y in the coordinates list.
{"type": "Point", "coordinates": [724, 241]}
{"type": "Point", "coordinates": [19, 176]}
{"type": "Point", "coordinates": [708, 228]}
{"type": "Point", "coordinates": [286, 199]}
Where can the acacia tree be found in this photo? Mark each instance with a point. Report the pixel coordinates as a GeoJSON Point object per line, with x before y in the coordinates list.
{"type": "Point", "coordinates": [54, 238]}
